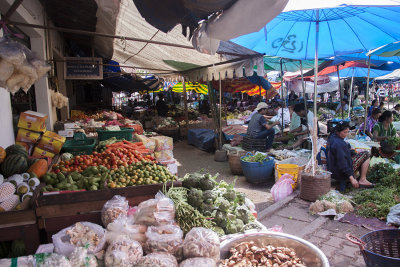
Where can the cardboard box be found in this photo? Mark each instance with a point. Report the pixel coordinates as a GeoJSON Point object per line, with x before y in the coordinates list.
{"type": "Point", "coordinates": [27, 136]}
{"type": "Point", "coordinates": [50, 144]}
{"type": "Point", "coordinates": [33, 121]}
{"type": "Point", "coordinates": [66, 133]}
{"type": "Point", "coordinates": [53, 135]}
{"type": "Point", "coordinates": [72, 125]}
{"type": "Point", "coordinates": [38, 152]}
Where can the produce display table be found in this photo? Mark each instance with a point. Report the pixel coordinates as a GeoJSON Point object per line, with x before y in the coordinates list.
{"type": "Point", "coordinates": [57, 211]}
{"type": "Point", "coordinates": [20, 225]}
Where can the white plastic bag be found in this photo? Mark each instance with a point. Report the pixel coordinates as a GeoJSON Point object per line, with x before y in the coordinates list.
{"type": "Point", "coordinates": [124, 226]}
{"type": "Point", "coordinates": [165, 238]}
{"type": "Point", "coordinates": [114, 208]}
{"type": "Point", "coordinates": [201, 242]}
{"type": "Point", "coordinates": [158, 259]}
{"type": "Point", "coordinates": [198, 262]}
{"type": "Point", "coordinates": [156, 211]}
{"type": "Point", "coordinates": [83, 234]}
{"type": "Point", "coordinates": [282, 189]}
{"type": "Point", "coordinates": [123, 252]}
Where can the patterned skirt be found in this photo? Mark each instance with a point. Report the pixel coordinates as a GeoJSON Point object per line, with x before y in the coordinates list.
{"type": "Point", "coordinates": [359, 159]}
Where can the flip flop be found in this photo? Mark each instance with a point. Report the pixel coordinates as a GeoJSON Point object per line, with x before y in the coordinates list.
{"type": "Point", "coordinates": [367, 186]}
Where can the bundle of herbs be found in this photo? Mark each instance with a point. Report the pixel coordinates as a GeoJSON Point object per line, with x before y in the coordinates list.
{"type": "Point", "coordinates": [377, 201]}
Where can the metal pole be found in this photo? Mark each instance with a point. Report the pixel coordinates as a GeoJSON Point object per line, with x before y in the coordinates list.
{"type": "Point", "coordinates": [340, 89]}
{"type": "Point", "coordinates": [220, 111]}
{"type": "Point", "coordinates": [351, 91]}
{"type": "Point", "coordinates": [315, 126]}
{"type": "Point", "coordinates": [185, 101]}
{"type": "Point", "coordinates": [367, 95]}
{"type": "Point", "coordinates": [283, 99]}
{"type": "Point", "coordinates": [304, 89]}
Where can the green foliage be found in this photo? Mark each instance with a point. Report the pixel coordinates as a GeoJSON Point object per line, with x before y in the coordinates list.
{"type": "Point", "coordinates": [257, 158]}
{"type": "Point", "coordinates": [234, 226]}
{"type": "Point", "coordinates": [376, 202]}
{"type": "Point", "coordinates": [195, 197]}
{"type": "Point", "coordinates": [379, 171]}
{"type": "Point", "coordinates": [394, 141]}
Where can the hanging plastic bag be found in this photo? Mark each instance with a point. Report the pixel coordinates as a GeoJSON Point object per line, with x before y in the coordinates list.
{"type": "Point", "coordinates": [113, 209]}
{"type": "Point", "coordinates": [282, 189]}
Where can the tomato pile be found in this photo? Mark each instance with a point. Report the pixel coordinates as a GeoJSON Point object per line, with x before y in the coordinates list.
{"type": "Point", "coordinates": [112, 158]}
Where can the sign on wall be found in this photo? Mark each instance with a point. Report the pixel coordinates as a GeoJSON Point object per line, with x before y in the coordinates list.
{"type": "Point", "coordinates": [83, 68]}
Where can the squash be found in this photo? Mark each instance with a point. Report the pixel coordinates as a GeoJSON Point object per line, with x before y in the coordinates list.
{"type": "Point", "coordinates": [16, 150]}
{"type": "Point", "coordinates": [2, 154]}
{"type": "Point", "coordinates": [31, 161]}
{"type": "Point", "coordinates": [39, 168]}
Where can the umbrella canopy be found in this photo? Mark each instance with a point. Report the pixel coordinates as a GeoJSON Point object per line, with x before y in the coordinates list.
{"type": "Point", "coordinates": [287, 64]}
{"type": "Point", "coordinates": [391, 76]}
{"type": "Point", "coordinates": [389, 50]}
{"type": "Point", "coordinates": [344, 27]}
{"type": "Point", "coordinates": [359, 72]}
{"type": "Point", "coordinates": [349, 64]}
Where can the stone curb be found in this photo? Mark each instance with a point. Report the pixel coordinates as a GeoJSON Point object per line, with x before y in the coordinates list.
{"type": "Point", "coordinates": [276, 206]}
{"type": "Point", "coordinates": [313, 226]}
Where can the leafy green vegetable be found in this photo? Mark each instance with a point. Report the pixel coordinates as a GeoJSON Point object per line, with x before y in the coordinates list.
{"type": "Point", "coordinates": [209, 196]}
{"type": "Point", "coordinates": [393, 141]}
{"type": "Point", "coordinates": [195, 197]}
{"type": "Point", "coordinates": [257, 158]}
{"type": "Point", "coordinates": [206, 183]}
{"type": "Point", "coordinates": [234, 226]}
{"type": "Point", "coordinates": [378, 171]}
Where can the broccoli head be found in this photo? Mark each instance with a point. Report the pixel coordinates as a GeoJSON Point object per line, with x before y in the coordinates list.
{"type": "Point", "coordinates": [243, 214]}
{"type": "Point", "coordinates": [222, 204]}
{"type": "Point", "coordinates": [220, 218]}
{"type": "Point", "coordinates": [206, 183]}
{"type": "Point", "coordinates": [192, 181]}
{"type": "Point", "coordinates": [209, 196]}
{"type": "Point", "coordinates": [218, 230]}
{"type": "Point", "coordinates": [234, 226]}
{"type": "Point", "coordinates": [207, 209]}
{"type": "Point", "coordinates": [195, 197]}
{"type": "Point", "coordinates": [230, 194]}
{"type": "Point", "coordinates": [240, 198]}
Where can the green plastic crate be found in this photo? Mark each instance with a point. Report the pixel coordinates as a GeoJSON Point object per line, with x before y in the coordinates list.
{"type": "Point", "coordinates": [124, 133]}
{"type": "Point", "coordinates": [79, 147]}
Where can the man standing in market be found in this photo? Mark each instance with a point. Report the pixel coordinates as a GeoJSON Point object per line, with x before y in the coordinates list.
{"type": "Point", "coordinates": [162, 108]}
{"type": "Point", "coordinates": [259, 128]}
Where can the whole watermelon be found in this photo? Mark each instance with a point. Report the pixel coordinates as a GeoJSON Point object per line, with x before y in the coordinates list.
{"type": "Point", "coordinates": [13, 164]}
{"type": "Point", "coordinates": [16, 150]}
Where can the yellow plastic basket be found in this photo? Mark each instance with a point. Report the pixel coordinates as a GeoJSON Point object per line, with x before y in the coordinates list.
{"type": "Point", "coordinates": [291, 169]}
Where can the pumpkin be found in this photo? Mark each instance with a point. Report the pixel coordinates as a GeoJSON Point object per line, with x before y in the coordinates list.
{"type": "Point", "coordinates": [16, 150]}
{"type": "Point", "coordinates": [2, 154]}
{"type": "Point", "coordinates": [39, 168]}
{"type": "Point", "coordinates": [31, 161]}
{"type": "Point", "coordinates": [16, 163]}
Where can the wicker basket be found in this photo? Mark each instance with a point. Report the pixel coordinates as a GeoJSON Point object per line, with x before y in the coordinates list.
{"type": "Point", "coordinates": [312, 187]}
{"type": "Point", "coordinates": [234, 162]}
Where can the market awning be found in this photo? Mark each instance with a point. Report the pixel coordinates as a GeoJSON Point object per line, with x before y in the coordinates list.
{"type": "Point", "coordinates": [391, 76]}
{"type": "Point", "coordinates": [157, 57]}
{"type": "Point", "coordinates": [191, 86]}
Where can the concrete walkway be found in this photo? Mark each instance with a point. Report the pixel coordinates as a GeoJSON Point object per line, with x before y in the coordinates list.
{"type": "Point", "coordinates": [328, 235]}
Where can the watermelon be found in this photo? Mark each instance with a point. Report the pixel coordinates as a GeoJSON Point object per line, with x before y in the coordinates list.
{"type": "Point", "coordinates": [13, 164]}
{"type": "Point", "coordinates": [31, 161]}
{"type": "Point", "coordinates": [16, 150]}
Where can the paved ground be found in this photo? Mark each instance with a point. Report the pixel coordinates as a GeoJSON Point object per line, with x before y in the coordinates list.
{"type": "Point", "coordinates": [291, 213]}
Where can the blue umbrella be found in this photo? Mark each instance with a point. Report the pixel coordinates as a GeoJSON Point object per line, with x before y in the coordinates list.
{"type": "Point", "coordinates": [360, 72]}
{"type": "Point", "coordinates": [388, 50]}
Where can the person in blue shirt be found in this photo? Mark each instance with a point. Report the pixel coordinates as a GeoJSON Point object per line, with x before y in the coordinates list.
{"type": "Point", "coordinates": [342, 163]}
{"type": "Point", "coordinates": [259, 128]}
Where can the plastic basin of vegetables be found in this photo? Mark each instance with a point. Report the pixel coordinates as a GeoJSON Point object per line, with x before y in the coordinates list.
{"type": "Point", "coordinates": [307, 252]}
{"type": "Point", "coordinates": [257, 168]}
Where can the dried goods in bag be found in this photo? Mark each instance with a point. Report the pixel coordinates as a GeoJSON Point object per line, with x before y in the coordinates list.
{"type": "Point", "coordinates": [201, 242]}
{"type": "Point", "coordinates": [113, 209]}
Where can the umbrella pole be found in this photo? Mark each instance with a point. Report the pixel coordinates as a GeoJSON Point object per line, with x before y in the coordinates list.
{"type": "Point", "coordinates": [340, 89]}
{"type": "Point", "coordinates": [315, 126]}
{"type": "Point", "coordinates": [283, 99]}
{"type": "Point", "coordinates": [304, 89]}
{"type": "Point", "coordinates": [220, 112]}
{"type": "Point", "coordinates": [351, 91]}
{"type": "Point", "coordinates": [367, 95]}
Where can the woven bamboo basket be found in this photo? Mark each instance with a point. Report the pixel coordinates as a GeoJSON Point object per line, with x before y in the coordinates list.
{"type": "Point", "coordinates": [313, 187]}
{"type": "Point", "coordinates": [234, 162]}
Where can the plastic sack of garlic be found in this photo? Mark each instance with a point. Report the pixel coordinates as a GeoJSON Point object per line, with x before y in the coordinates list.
{"type": "Point", "coordinates": [58, 100]}
{"type": "Point", "coordinates": [19, 66]}
{"type": "Point", "coordinates": [249, 254]}
{"type": "Point", "coordinates": [82, 234]}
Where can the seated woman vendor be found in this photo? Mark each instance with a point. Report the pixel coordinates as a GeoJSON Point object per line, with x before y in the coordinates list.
{"type": "Point", "coordinates": [300, 123]}
{"type": "Point", "coordinates": [371, 121]}
{"type": "Point", "coordinates": [342, 164]}
{"type": "Point", "coordinates": [259, 128]}
{"type": "Point", "coordinates": [384, 128]}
